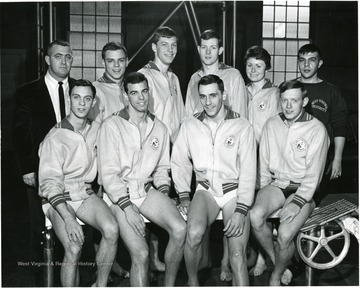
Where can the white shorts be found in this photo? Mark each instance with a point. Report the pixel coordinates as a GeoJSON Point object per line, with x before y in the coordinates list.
{"type": "Point", "coordinates": [74, 204]}
{"type": "Point", "coordinates": [138, 201]}
{"type": "Point", "coordinates": [221, 201]}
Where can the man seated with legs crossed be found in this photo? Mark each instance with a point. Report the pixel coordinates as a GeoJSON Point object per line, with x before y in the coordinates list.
{"type": "Point", "coordinates": [67, 167]}
{"type": "Point", "coordinates": [134, 164]}
{"type": "Point", "coordinates": [293, 151]}
{"type": "Point", "coordinates": [220, 146]}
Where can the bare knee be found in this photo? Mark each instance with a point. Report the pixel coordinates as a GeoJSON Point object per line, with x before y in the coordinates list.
{"type": "Point", "coordinates": [110, 231]}
{"type": "Point", "coordinates": [140, 256]}
{"type": "Point", "coordinates": [73, 251]}
{"type": "Point", "coordinates": [195, 234]}
{"type": "Point", "coordinates": [179, 232]}
{"type": "Point", "coordinates": [257, 218]}
{"type": "Point", "coordinates": [284, 238]}
{"type": "Point", "coordinates": [238, 256]}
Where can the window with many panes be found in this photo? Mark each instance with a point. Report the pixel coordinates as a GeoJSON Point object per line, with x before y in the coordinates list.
{"type": "Point", "coordinates": [92, 25]}
{"type": "Point", "coordinates": [285, 30]}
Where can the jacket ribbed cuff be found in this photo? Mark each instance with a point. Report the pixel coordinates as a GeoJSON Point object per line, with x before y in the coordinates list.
{"type": "Point", "coordinates": [299, 201]}
{"type": "Point", "coordinates": [242, 208]}
{"type": "Point", "coordinates": [164, 189]}
{"type": "Point", "coordinates": [57, 199]}
{"type": "Point", "coordinates": [124, 202]}
{"type": "Point", "coordinates": [184, 196]}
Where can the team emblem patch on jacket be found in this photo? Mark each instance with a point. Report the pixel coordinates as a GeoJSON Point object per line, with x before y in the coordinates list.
{"type": "Point", "coordinates": [230, 141]}
{"type": "Point", "coordinates": [154, 143]}
{"type": "Point", "coordinates": [262, 106]}
{"type": "Point", "coordinates": [300, 144]}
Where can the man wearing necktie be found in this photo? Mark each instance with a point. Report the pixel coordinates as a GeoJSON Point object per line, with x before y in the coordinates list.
{"type": "Point", "coordinates": [39, 105]}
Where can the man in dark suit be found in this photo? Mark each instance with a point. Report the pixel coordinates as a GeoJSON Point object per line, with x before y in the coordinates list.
{"type": "Point", "coordinates": [39, 105]}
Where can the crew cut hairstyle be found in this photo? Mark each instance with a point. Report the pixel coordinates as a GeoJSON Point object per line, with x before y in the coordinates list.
{"type": "Point", "coordinates": [210, 79]}
{"type": "Point", "coordinates": [163, 31]}
{"type": "Point", "coordinates": [210, 34]}
{"type": "Point", "coordinates": [113, 46]}
{"type": "Point", "coordinates": [293, 84]}
{"type": "Point", "coordinates": [134, 78]}
{"type": "Point", "coordinates": [57, 42]}
{"type": "Point", "coordinates": [309, 48]}
{"type": "Point", "coordinates": [258, 53]}
{"type": "Point", "coordinates": [83, 83]}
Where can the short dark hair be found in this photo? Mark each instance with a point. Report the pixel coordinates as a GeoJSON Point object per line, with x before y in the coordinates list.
{"type": "Point", "coordinates": [113, 46]}
{"type": "Point", "coordinates": [258, 53]}
{"type": "Point", "coordinates": [57, 42]}
{"type": "Point", "coordinates": [83, 83]}
{"type": "Point", "coordinates": [309, 48]}
{"type": "Point", "coordinates": [293, 84]}
{"type": "Point", "coordinates": [211, 79]}
{"type": "Point", "coordinates": [210, 34]}
{"type": "Point", "coordinates": [134, 78]}
{"type": "Point", "coordinates": [163, 31]}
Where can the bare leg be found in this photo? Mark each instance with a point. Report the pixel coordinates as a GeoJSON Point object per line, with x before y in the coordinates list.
{"type": "Point", "coordinates": [169, 218]}
{"type": "Point", "coordinates": [260, 265]}
{"type": "Point", "coordinates": [203, 212]}
{"type": "Point", "coordinates": [237, 248]}
{"type": "Point", "coordinates": [155, 263]}
{"type": "Point", "coordinates": [205, 259]}
{"type": "Point", "coordinates": [69, 272]}
{"type": "Point", "coordinates": [225, 271]}
{"type": "Point", "coordinates": [104, 221]}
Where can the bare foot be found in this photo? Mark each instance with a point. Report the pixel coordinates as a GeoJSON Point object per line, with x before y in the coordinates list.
{"type": "Point", "coordinates": [258, 269]}
{"type": "Point", "coordinates": [157, 265]}
{"type": "Point", "coordinates": [286, 277]}
{"type": "Point", "coordinates": [119, 271]}
{"type": "Point", "coordinates": [225, 274]}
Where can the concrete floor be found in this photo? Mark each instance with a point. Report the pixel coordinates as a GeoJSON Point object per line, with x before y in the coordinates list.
{"type": "Point", "coordinates": [15, 246]}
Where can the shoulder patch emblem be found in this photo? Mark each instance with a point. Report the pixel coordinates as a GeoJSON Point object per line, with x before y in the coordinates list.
{"type": "Point", "coordinates": [154, 143]}
{"type": "Point", "coordinates": [300, 144]}
{"type": "Point", "coordinates": [230, 141]}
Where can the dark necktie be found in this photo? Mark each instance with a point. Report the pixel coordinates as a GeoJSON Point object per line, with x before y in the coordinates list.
{"type": "Point", "coordinates": [61, 100]}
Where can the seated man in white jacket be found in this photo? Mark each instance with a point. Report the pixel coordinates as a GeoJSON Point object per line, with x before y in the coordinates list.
{"type": "Point", "coordinates": [68, 165]}
{"type": "Point", "coordinates": [293, 149]}
{"type": "Point", "coordinates": [220, 146]}
{"type": "Point", "coordinates": [134, 164]}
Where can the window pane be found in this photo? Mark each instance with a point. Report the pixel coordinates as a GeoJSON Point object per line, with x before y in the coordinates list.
{"type": "Point", "coordinates": [77, 55]}
{"type": "Point", "coordinates": [280, 2]}
{"type": "Point", "coordinates": [89, 23]}
{"type": "Point", "coordinates": [75, 22]}
{"type": "Point", "coordinates": [98, 59]}
{"type": "Point", "coordinates": [75, 8]}
{"type": "Point", "coordinates": [89, 8]}
{"type": "Point", "coordinates": [279, 30]}
{"type": "Point", "coordinates": [102, 24]}
{"type": "Point", "coordinates": [303, 42]}
{"type": "Point", "coordinates": [278, 78]}
{"type": "Point", "coordinates": [270, 75]}
{"type": "Point", "coordinates": [99, 73]}
{"type": "Point", "coordinates": [279, 63]}
{"type": "Point", "coordinates": [291, 76]}
{"type": "Point", "coordinates": [268, 2]}
{"type": "Point", "coordinates": [268, 30]}
{"type": "Point", "coordinates": [89, 58]}
{"type": "Point", "coordinates": [304, 14]}
{"type": "Point", "coordinates": [89, 41]}
{"type": "Point", "coordinates": [304, 3]}
{"type": "Point", "coordinates": [291, 30]}
{"type": "Point", "coordinates": [115, 8]}
{"type": "Point", "coordinates": [101, 40]}
{"type": "Point", "coordinates": [268, 13]}
{"type": "Point", "coordinates": [269, 46]}
{"type": "Point", "coordinates": [115, 24]}
{"type": "Point", "coordinates": [101, 8]}
{"type": "Point", "coordinates": [115, 37]}
{"type": "Point", "coordinates": [291, 64]}
{"type": "Point", "coordinates": [279, 13]}
{"type": "Point", "coordinates": [76, 73]}
{"type": "Point", "coordinates": [280, 47]}
{"type": "Point", "coordinates": [291, 14]}
{"type": "Point", "coordinates": [89, 74]}
{"type": "Point", "coordinates": [75, 40]}
{"type": "Point", "coordinates": [303, 30]}
{"type": "Point", "coordinates": [291, 48]}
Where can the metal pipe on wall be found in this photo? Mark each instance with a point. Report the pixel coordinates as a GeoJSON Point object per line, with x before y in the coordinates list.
{"type": "Point", "coordinates": [191, 25]}
{"type": "Point", "coordinates": [234, 35]}
{"type": "Point", "coordinates": [224, 30]}
{"type": "Point", "coordinates": [195, 19]}
{"type": "Point", "coordinates": [51, 25]}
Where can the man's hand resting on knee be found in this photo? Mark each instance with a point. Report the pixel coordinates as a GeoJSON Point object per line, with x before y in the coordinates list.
{"type": "Point", "coordinates": [235, 225]}
{"type": "Point", "coordinates": [135, 220]}
{"type": "Point", "coordinates": [289, 212]}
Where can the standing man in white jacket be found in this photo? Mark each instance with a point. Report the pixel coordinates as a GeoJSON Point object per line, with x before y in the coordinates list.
{"type": "Point", "coordinates": [221, 148]}
{"type": "Point", "coordinates": [293, 151]}
{"type": "Point", "coordinates": [134, 164]}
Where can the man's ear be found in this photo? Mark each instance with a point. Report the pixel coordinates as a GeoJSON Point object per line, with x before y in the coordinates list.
{"type": "Point", "coordinates": [305, 101]}
{"type": "Point", "coordinates": [47, 59]}
{"type": "Point", "coordinates": [125, 95]}
{"type": "Point", "coordinates": [127, 61]}
{"type": "Point", "coordinates": [321, 62]}
{"type": "Point", "coordinates": [198, 47]}
{"type": "Point", "coordinates": [224, 95]}
{"type": "Point", "coordinates": [103, 62]}
{"type": "Point", "coordinates": [221, 50]}
{"type": "Point", "coordinates": [153, 47]}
